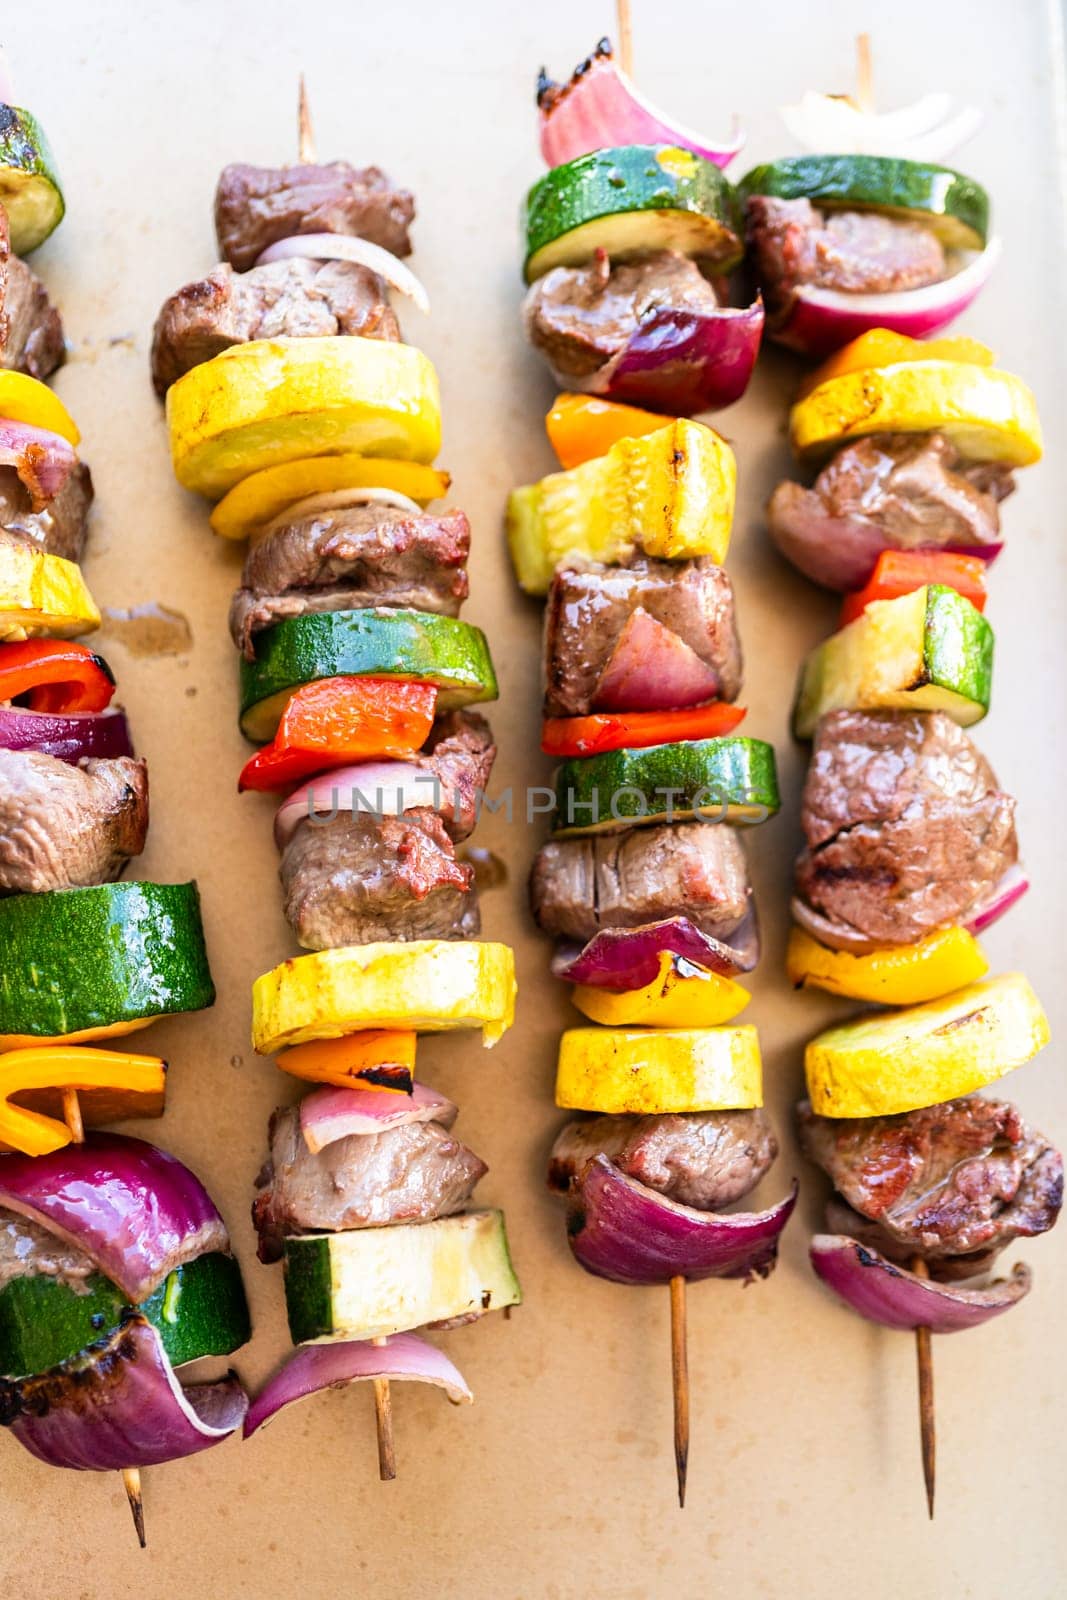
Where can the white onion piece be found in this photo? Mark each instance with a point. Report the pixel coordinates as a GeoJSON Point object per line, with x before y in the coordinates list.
{"type": "Point", "coordinates": [342, 247]}
{"type": "Point", "coordinates": [336, 500]}
{"type": "Point", "coordinates": [923, 131]}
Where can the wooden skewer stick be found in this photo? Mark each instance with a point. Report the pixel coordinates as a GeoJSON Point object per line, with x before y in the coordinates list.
{"type": "Point", "coordinates": [927, 1419]}
{"type": "Point", "coordinates": [680, 1381]}
{"type": "Point", "coordinates": [624, 28]}
{"type": "Point", "coordinates": [864, 73]}
{"type": "Point", "coordinates": [383, 1416]}
{"type": "Point", "coordinates": [131, 1476]}
{"type": "Point", "coordinates": [306, 144]}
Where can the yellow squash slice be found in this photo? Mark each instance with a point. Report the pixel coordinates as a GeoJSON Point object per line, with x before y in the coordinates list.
{"type": "Point", "coordinates": [42, 594]}
{"type": "Point", "coordinates": [654, 1071]}
{"type": "Point", "coordinates": [903, 976]}
{"type": "Point", "coordinates": [276, 400]}
{"type": "Point", "coordinates": [25, 399]}
{"type": "Point", "coordinates": [669, 494]}
{"type": "Point", "coordinates": [256, 501]}
{"type": "Point", "coordinates": [111, 1085]}
{"type": "Point", "coordinates": [902, 1060]}
{"type": "Point", "coordinates": [988, 414]}
{"type": "Point", "coordinates": [674, 999]}
{"type": "Point", "coordinates": [881, 347]}
{"type": "Point", "coordinates": [428, 986]}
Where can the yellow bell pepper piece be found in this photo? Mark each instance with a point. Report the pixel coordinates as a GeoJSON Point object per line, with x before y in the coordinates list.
{"type": "Point", "coordinates": [42, 594]}
{"type": "Point", "coordinates": [581, 426]}
{"type": "Point", "coordinates": [902, 1060]}
{"type": "Point", "coordinates": [669, 494]}
{"type": "Point", "coordinates": [276, 400]}
{"type": "Point", "coordinates": [881, 347]}
{"type": "Point", "coordinates": [655, 1071]}
{"type": "Point", "coordinates": [674, 999]}
{"type": "Point", "coordinates": [107, 1030]}
{"type": "Point", "coordinates": [988, 414]}
{"type": "Point", "coordinates": [25, 399]}
{"type": "Point", "coordinates": [111, 1086]}
{"type": "Point", "coordinates": [256, 501]}
{"type": "Point", "coordinates": [427, 986]}
{"type": "Point", "coordinates": [353, 1061]}
{"type": "Point", "coordinates": [905, 976]}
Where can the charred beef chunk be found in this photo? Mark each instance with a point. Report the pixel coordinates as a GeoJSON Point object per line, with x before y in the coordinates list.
{"type": "Point", "coordinates": [286, 299]}
{"type": "Point", "coordinates": [64, 827]}
{"type": "Point", "coordinates": [588, 608]}
{"type": "Point", "coordinates": [891, 491]}
{"type": "Point", "coordinates": [961, 1179]}
{"type": "Point", "coordinates": [356, 878]}
{"type": "Point", "coordinates": [459, 755]}
{"type": "Point", "coordinates": [257, 206]}
{"type": "Point", "coordinates": [31, 332]}
{"type": "Point", "coordinates": [60, 526]}
{"type": "Point", "coordinates": [412, 1173]}
{"type": "Point", "coordinates": [858, 252]}
{"type": "Point", "coordinates": [708, 1159]}
{"type": "Point", "coordinates": [906, 828]}
{"type": "Point", "coordinates": [621, 880]}
{"type": "Point", "coordinates": [579, 317]}
{"type": "Point", "coordinates": [351, 559]}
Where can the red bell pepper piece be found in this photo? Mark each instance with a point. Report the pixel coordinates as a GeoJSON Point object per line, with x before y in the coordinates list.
{"type": "Point", "coordinates": [335, 721]}
{"type": "Point", "coordinates": [634, 730]}
{"type": "Point", "coordinates": [55, 675]}
{"type": "Point", "coordinates": [900, 572]}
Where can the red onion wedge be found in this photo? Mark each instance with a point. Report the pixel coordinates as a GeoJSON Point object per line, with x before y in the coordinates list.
{"type": "Point", "coordinates": [619, 1229]}
{"type": "Point", "coordinates": [652, 668]}
{"type": "Point", "coordinates": [327, 1115]}
{"type": "Point", "coordinates": [600, 108]}
{"type": "Point", "coordinates": [134, 1210]}
{"type": "Point", "coordinates": [43, 460]}
{"type": "Point", "coordinates": [343, 247]}
{"type": "Point", "coordinates": [628, 958]}
{"type": "Point", "coordinates": [885, 1293]}
{"type": "Point", "coordinates": [118, 1404]}
{"type": "Point", "coordinates": [835, 935]}
{"type": "Point", "coordinates": [681, 361]}
{"type": "Point", "coordinates": [820, 321]}
{"type": "Point", "coordinates": [331, 1366]}
{"type": "Point", "coordinates": [69, 737]}
{"type": "Point", "coordinates": [1008, 889]}
{"type": "Point", "coordinates": [380, 788]}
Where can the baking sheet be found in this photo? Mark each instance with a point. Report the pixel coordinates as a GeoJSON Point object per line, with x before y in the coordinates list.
{"type": "Point", "coordinates": [558, 1483]}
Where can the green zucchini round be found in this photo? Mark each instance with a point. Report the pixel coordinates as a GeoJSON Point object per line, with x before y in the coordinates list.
{"type": "Point", "coordinates": [732, 780]}
{"type": "Point", "coordinates": [88, 958]}
{"type": "Point", "coordinates": [453, 655]}
{"type": "Point", "coordinates": [947, 202]}
{"type": "Point", "coordinates": [29, 188]}
{"type": "Point", "coordinates": [629, 200]}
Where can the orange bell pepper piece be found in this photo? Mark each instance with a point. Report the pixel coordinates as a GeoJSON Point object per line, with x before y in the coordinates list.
{"type": "Point", "coordinates": [110, 1085]}
{"type": "Point", "coordinates": [378, 1058]}
{"type": "Point", "coordinates": [580, 426]}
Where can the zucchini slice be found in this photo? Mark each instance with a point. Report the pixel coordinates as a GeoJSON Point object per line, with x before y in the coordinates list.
{"type": "Point", "coordinates": [903, 1060]}
{"type": "Point", "coordinates": [629, 200]}
{"type": "Point", "coordinates": [199, 1309]}
{"type": "Point", "coordinates": [926, 651]}
{"type": "Point", "coordinates": [658, 1071]}
{"type": "Point", "coordinates": [78, 959]}
{"type": "Point", "coordinates": [725, 780]}
{"type": "Point", "coordinates": [945, 201]}
{"type": "Point", "coordinates": [421, 645]}
{"type": "Point", "coordinates": [29, 188]}
{"type": "Point", "coordinates": [367, 1283]}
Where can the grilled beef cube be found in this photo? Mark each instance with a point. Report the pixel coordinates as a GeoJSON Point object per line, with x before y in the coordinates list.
{"type": "Point", "coordinates": [579, 317]}
{"type": "Point", "coordinates": [588, 608]}
{"type": "Point", "coordinates": [257, 206]}
{"type": "Point", "coordinates": [960, 1179]}
{"type": "Point", "coordinates": [64, 827]}
{"type": "Point", "coordinates": [59, 528]}
{"type": "Point", "coordinates": [791, 244]}
{"type": "Point", "coordinates": [906, 828]}
{"type": "Point", "coordinates": [707, 1159]}
{"type": "Point", "coordinates": [459, 754]}
{"type": "Point", "coordinates": [621, 880]}
{"type": "Point", "coordinates": [356, 878]}
{"type": "Point", "coordinates": [411, 1173]}
{"type": "Point", "coordinates": [286, 299]}
{"type": "Point", "coordinates": [31, 331]}
{"type": "Point", "coordinates": [839, 1217]}
{"type": "Point", "coordinates": [890, 491]}
{"type": "Point", "coordinates": [351, 559]}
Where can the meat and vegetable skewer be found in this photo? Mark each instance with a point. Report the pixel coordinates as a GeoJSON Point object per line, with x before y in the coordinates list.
{"type": "Point", "coordinates": [115, 1267]}
{"type": "Point", "coordinates": [293, 404]}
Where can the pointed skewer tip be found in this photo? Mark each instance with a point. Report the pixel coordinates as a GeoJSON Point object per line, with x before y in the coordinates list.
{"type": "Point", "coordinates": [927, 1416]}
{"type": "Point", "coordinates": [131, 1482]}
{"type": "Point", "coordinates": [305, 132]}
{"type": "Point", "coordinates": [680, 1384]}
